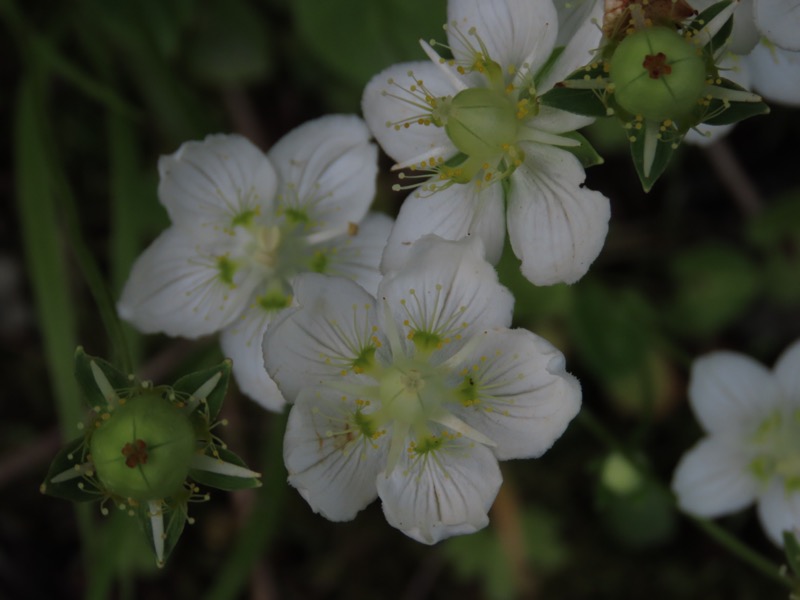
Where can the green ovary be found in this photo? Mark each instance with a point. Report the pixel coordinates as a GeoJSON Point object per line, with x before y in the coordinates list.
{"type": "Point", "coordinates": [481, 122]}
{"type": "Point", "coordinates": [658, 74]}
{"type": "Point", "coordinates": [143, 450]}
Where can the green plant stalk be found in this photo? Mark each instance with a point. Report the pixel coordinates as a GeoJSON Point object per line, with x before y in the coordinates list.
{"type": "Point", "coordinates": [743, 551]}
{"type": "Point", "coordinates": [758, 562]}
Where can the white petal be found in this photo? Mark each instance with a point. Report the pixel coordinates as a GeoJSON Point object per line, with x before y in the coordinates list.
{"type": "Point", "coordinates": [329, 461]}
{"type": "Point", "coordinates": [779, 511]}
{"type": "Point", "coordinates": [554, 120]}
{"type": "Point", "coordinates": [557, 227]}
{"type": "Point", "coordinates": [787, 372]}
{"type": "Point", "coordinates": [446, 288]}
{"type": "Point", "coordinates": [579, 34]}
{"type": "Point", "coordinates": [327, 167]}
{"type": "Point", "coordinates": [215, 180]}
{"type": "Point", "coordinates": [175, 287]}
{"type": "Point", "coordinates": [731, 392]}
{"type": "Point", "coordinates": [517, 33]}
{"type": "Point", "coordinates": [525, 398]}
{"type": "Point", "coordinates": [779, 22]}
{"type": "Point", "coordinates": [385, 104]}
{"type": "Point", "coordinates": [712, 478]}
{"type": "Point", "coordinates": [358, 256]}
{"type": "Point", "coordinates": [462, 210]}
{"type": "Point", "coordinates": [242, 341]}
{"type": "Point", "coordinates": [442, 493]}
{"type": "Point", "coordinates": [318, 341]}
{"type": "Point", "coordinates": [776, 74]}
{"type": "Point", "coordinates": [744, 35]}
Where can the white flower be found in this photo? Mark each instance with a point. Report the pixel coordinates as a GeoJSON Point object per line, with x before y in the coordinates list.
{"type": "Point", "coordinates": [476, 139]}
{"type": "Point", "coordinates": [752, 450]}
{"type": "Point", "coordinates": [767, 34]}
{"type": "Point", "coordinates": [414, 397]}
{"type": "Point", "coordinates": [244, 224]}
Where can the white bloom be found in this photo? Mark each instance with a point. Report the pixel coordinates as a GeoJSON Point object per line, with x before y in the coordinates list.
{"type": "Point", "coordinates": [244, 224]}
{"type": "Point", "coordinates": [773, 63]}
{"type": "Point", "coordinates": [414, 397]}
{"type": "Point", "coordinates": [752, 450]}
{"type": "Point", "coordinates": [476, 139]}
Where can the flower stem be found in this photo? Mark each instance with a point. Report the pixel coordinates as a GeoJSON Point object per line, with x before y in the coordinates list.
{"type": "Point", "coordinates": [743, 552]}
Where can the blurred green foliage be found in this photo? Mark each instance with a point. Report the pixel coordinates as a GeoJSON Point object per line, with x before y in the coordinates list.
{"type": "Point", "coordinates": [97, 90]}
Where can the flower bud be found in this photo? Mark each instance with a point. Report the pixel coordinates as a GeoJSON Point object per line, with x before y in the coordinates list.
{"type": "Point", "coordinates": [143, 450]}
{"type": "Point", "coordinates": [658, 74]}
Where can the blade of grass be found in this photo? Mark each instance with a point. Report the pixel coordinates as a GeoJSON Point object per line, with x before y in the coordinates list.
{"type": "Point", "coordinates": [126, 223]}
{"type": "Point", "coordinates": [45, 264]}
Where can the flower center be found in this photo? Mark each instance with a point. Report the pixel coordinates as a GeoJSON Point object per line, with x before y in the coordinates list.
{"type": "Point", "coordinates": [658, 74]}
{"type": "Point", "coordinates": [480, 122]}
{"type": "Point", "coordinates": [777, 449]}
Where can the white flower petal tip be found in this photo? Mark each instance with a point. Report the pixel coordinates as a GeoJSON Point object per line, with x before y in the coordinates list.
{"type": "Point", "coordinates": [385, 391]}
{"type": "Point", "coordinates": [752, 416]}
{"type": "Point", "coordinates": [557, 227]}
{"type": "Point", "coordinates": [242, 342]}
{"type": "Point", "coordinates": [779, 22]}
{"type": "Point", "coordinates": [215, 179]}
{"type": "Point", "coordinates": [202, 462]}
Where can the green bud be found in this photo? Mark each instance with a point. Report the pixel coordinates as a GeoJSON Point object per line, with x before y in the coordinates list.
{"type": "Point", "coordinates": [143, 450]}
{"type": "Point", "coordinates": [658, 74]}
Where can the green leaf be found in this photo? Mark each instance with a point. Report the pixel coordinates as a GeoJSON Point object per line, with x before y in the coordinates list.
{"type": "Point", "coordinates": [579, 100]}
{"type": "Point", "coordinates": [44, 253]}
{"type": "Point", "coordinates": [359, 38]}
{"type": "Point", "coordinates": [225, 482]}
{"type": "Point", "coordinates": [65, 461]}
{"type": "Point", "coordinates": [642, 518]}
{"type": "Point", "coordinates": [174, 520]}
{"type": "Point", "coordinates": [482, 555]}
{"type": "Point", "coordinates": [87, 379]}
{"type": "Point", "coordinates": [585, 152]}
{"type": "Point", "coordinates": [612, 329]}
{"type": "Point", "coordinates": [735, 111]}
{"type": "Point", "coordinates": [792, 549]}
{"type": "Point", "coordinates": [714, 284]}
{"type": "Point", "coordinates": [701, 20]}
{"type": "Point", "coordinates": [663, 154]}
{"type": "Point", "coordinates": [776, 233]}
{"type": "Point", "coordinates": [192, 382]}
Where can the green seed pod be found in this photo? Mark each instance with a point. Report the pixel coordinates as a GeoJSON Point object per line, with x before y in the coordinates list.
{"type": "Point", "coordinates": [657, 73]}
{"type": "Point", "coordinates": [143, 450]}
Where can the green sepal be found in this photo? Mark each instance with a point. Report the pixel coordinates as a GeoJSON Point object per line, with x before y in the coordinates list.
{"type": "Point", "coordinates": [585, 152]}
{"type": "Point", "coordinates": [580, 101]}
{"type": "Point", "coordinates": [87, 382]}
{"type": "Point", "coordinates": [174, 522]}
{"type": "Point", "coordinates": [704, 17]}
{"type": "Point", "coordinates": [68, 490]}
{"type": "Point", "coordinates": [792, 548]}
{"type": "Point", "coordinates": [190, 383]}
{"type": "Point", "coordinates": [736, 111]}
{"type": "Point", "coordinates": [225, 482]}
{"type": "Point", "coordinates": [663, 154]}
